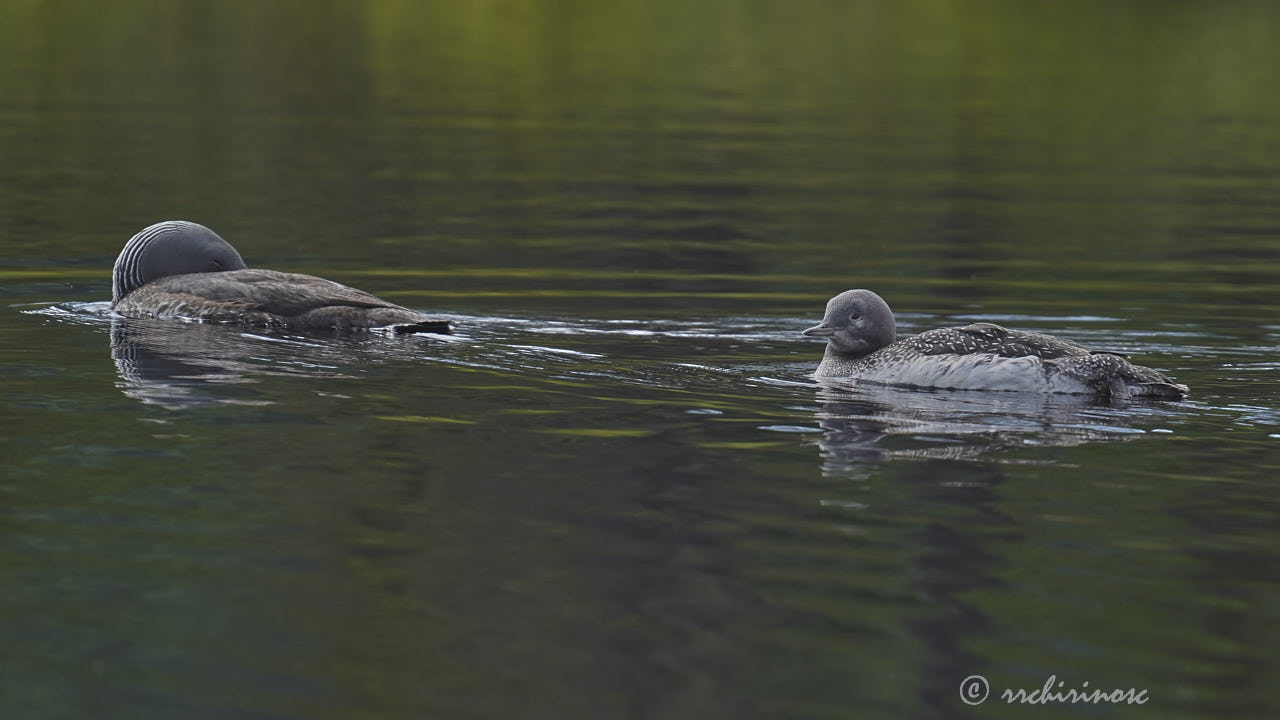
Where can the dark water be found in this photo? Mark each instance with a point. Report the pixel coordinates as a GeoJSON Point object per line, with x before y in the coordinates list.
{"type": "Point", "coordinates": [616, 492]}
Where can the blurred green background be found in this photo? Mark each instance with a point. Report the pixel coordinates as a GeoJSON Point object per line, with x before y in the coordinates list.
{"type": "Point", "coordinates": [621, 495]}
{"type": "Point", "coordinates": [899, 142]}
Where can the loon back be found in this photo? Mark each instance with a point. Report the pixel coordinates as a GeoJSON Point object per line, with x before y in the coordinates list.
{"type": "Point", "coordinates": [269, 298]}
{"type": "Point", "coordinates": [994, 340]}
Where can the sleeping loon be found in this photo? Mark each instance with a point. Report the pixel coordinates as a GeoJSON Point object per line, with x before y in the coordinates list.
{"type": "Point", "coordinates": [185, 270]}
{"type": "Point", "coordinates": [861, 334]}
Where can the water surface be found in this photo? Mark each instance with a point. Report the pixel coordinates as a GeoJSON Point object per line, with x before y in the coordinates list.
{"type": "Point", "coordinates": [616, 491]}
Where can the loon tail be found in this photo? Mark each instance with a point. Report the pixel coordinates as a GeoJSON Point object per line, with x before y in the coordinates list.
{"type": "Point", "coordinates": [1111, 374]}
{"type": "Point", "coordinates": [441, 327]}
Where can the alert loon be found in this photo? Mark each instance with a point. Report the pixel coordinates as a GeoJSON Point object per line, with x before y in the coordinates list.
{"type": "Point", "coordinates": [183, 269]}
{"type": "Point", "coordinates": [861, 344]}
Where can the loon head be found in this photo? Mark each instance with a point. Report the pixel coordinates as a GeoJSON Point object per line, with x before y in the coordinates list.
{"type": "Point", "coordinates": [857, 322]}
{"type": "Point", "coordinates": [174, 247]}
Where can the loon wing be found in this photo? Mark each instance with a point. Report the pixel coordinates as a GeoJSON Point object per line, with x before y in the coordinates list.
{"type": "Point", "coordinates": [268, 297]}
{"type": "Point", "coordinates": [280, 293]}
{"type": "Point", "coordinates": [992, 339]}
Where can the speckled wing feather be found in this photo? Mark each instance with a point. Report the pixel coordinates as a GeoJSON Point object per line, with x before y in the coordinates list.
{"type": "Point", "coordinates": [995, 340]}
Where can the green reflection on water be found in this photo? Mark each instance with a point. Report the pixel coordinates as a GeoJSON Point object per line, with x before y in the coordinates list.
{"type": "Point", "coordinates": [440, 540]}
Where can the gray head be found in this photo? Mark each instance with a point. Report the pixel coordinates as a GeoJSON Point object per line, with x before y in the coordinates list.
{"type": "Point", "coordinates": [174, 247]}
{"type": "Point", "coordinates": [857, 322]}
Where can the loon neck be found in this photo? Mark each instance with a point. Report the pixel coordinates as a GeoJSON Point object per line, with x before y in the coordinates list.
{"type": "Point", "coordinates": [830, 353]}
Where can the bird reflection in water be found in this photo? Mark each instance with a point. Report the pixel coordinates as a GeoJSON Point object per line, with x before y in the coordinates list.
{"type": "Point", "coordinates": [178, 364]}
{"type": "Point", "coordinates": [863, 423]}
